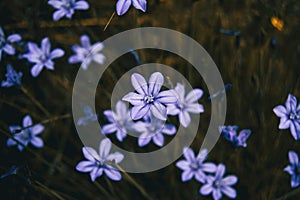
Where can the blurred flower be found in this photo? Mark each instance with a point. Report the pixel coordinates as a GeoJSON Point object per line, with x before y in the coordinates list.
{"type": "Point", "coordinates": [12, 77]}
{"type": "Point", "coordinates": [194, 166]}
{"type": "Point", "coordinates": [120, 121]}
{"type": "Point", "coordinates": [97, 163]}
{"type": "Point", "coordinates": [26, 135]}
{"type": "Point", "coordinates": [289, 116]}
{"type": "Point", "coordinates": [90, 116]}
{"type": "Point", "coordinates": [294, 169]}
{"type": "Point", "coordinates": [122, 6]}
{"type": "Point", "coordinates": [149, 97]}
{"type": "Point", "coordinates": [5, 44]}
{"type": "Point", "coordinates": [67, 7]}
{"type": "Point", "coordinates": [42, 57]}
{"type": "Point", "coordinates": [153, 129]}
{"type": "Point", "coordinates": [87, 53]}
{"type": "Point", "coordinates": [230, 134]}
{"type": "Point", "coordinates": [186, 105]}
{"type": "Point", "coordinates": [218, 185]}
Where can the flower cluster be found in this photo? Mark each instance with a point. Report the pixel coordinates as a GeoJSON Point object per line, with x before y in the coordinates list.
{"type": "Point", "coordinates": [207, 173]}
{"type": "Point", "coordinates": [6, 43]}
{"type": "Point", "coordinates": [150, 109]}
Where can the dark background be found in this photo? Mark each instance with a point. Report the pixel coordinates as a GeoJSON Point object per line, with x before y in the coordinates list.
{"type": "Point", "coordinates": [262, 76]}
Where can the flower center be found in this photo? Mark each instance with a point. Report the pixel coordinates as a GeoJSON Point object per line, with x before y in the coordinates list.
{"type": "Point", "coordinates": [43, 58]}
{"type": "Point", "coordinates": [148, 99]}
{"type": "Point", "coordinates": [294, 116]}
{"type": "Point", "coordinates": [194, 165]}
{"type": "Point", "coordinates": [2, 42]}
{"type": "Point", "coordinates": [69, 4]}
{"type": "Point", "coordinates": [217, 184]}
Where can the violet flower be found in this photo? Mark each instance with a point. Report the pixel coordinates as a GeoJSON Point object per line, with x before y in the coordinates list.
{"type": "Point", "coordinates": [13, 78]}
{"type": "Point", "coordinates": [5, 44]}
{"type": "Point", "coordinates": [120, 121]}
{"type": "Point", "coordinates": [194, 166]}
{"type": "Point", "coordinates": [90, 116]}
{"type": "Point", "coordinates": [26, 135]}
{"type": "Point", "coordinates": [186, 105]}
{"type": "Point", "coordinates": [153, 129]}
{"type": "Point", "coordinates": [218, 184]}
{"type": "Point", "coordinates": [42, 57]}
{"type": "Point", "coordinates": [67, 7]}
{"type": "Point", "coordinates": [87, 53]}
{"type": "Point", "coordinates": [294, 169]}
{"type": "Point", "coordinates": [148, 96]}
{"type": "Point", "coordinates": [289, 116]}
{"type": "Point", "coordinates": [123, 6]}
{"type": "Point", "coordinates": [97, 163]}
{"type": "Point", "coordinates": [230, 134]}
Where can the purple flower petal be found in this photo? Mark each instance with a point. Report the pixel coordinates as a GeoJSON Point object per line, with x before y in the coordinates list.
{"type": "Point", "coordinates": [202, 155]}
{"type": "Point", "coordinates": [284, 123]}
{"type": "Point", "coordinates": [90, 154]}
{"type": "Point", "coordinates": [96, 172]}
{"type": "Point", "coordinates": [122, 6]}
{"type": "Point", "coordinates": [280, 111]}
{"type": "Point", "coordinates": [81, 5]}
{"type": "Point", "coordinates": [36, 70]}
{"type": "Point", "coordinates": [57, 15]}
{"type": "Point", "coordinates": [104, 148]}
{"type": "Point", "coordinates": [187, 175]}
{"type": "Point", "coordinates": [229, 180]}
{"type": "Point", "coordinates": [189, 154]}
{"type": "Point", "coordinates": [169, 129]}
{"type": "Point", "coordinates": [99, 58]}
{"type": "Point", "coordinates": [295, 130]}
{"type": "Point", "coordinates": [109, 115]}
{"type": "Point", "coordinates": [167, 97]}
{"type": "Point", "coordinates": [139, 83]}
{"type": "Point", "coordinates": [14, 38]}
{"type": "Point", "coordinates": [45, 46]}
{"type": "Point", "coordinates": [37, 129]}
{"type": "Point", "coordinates": [98, 46]}
{"type": "Point", "coordinates": [56, 53]}
{"type": "Point", "coordinates": [10, 142]}
{"type": "Point", "coordinates": [138, 112]}
{"type": "Point", "coordinates": [172, 110]}
{"type": "Point", "coordinates": [193, 95]}
{"type": "Point", "coordinates": [184, 118]}
{"type": "Point", "coordinates": [117, 157]}
{"type": "Point", "coordinates": [291, 103]}
{"type": "Point", "coordinates": [85, 166]}
{"type": "Point", "coordinates": [120, 135]}
{"type": "Point", "coordinates": [217, 194]}
{"type": "Point", "coordinates": [9, 49]}
{"type": "Point", "coordinates": [134, 99]}
{"type": "Point", "coordinates": [180, 91]}
{"type": "Point", "coordinates": [220, 171]}
{"type": "Point", "coordinates": [182, 164]}
{"type": "Point", "coordinates": [209, 167]}
{"type": "Point", "coordinates": [295, 182]}
{"type": "Point", "coordinates": [121, 108]}
{"type": "Point", "coordinates": [144, 139]}
{"type": "Point", "coordinates": [27, 121]}
{"type": "Point", "coordinates": [200, 176]}
{"type": "Point", "coordinates": [159, 111]}
{"type": "Point", "coordinates": [156, 81]}
{"type": "Point", "coordinates": [293, 157]}
{"type": "Point", "coordinates": [194, 108]}
{"type": "Point", "coordinates": [49, 64]}
{"type": "Point", "coordinates": [158, 139]}
{"type": "Point", "coordinates": [140, 4]}
{"type": "Point", "coordinates": [37, 142]}
{"type": "Point", "coordinates": [109, 128]}
{"type": "Point", "coordinates": [206, 189]}
{"type": "Point", "coordinates": [113, 174]}
{"type": "Point", "coordinates": [85, 41]}
{"type": "Point", "coordinates": [229, 192]}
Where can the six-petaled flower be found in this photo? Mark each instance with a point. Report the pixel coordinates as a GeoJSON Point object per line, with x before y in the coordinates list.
{"type": "Point", "coordinates": [230, 134]}
{"type": "Point", "coordinates": [122, 6]}
{"type": "Point", "coordinates": [289, 116]}
{"type": "Point", "coordinates": [120, 121]}
{"type": "Point", "coordinates": [42, 57]}
{"type": "Point", "coordinates": [186, 105]}
{"type": "Point", "coordinates": [148, 97]}
{"type": "Point", "coordinates": [6, 43]}
{"type": "Point", "coordinates": [153, 129]}
{"type": "Point", "coordinates": [13, 78]}
{"type": "Point", "coordinates": [97, 163]}
{"type": "Point", "coordinates": [28, 134]}
{"type": "Point", "coordinates": [219, 184]}
{"type": "Point", "coordinates": [194, 166]}
{"type": "Point", "coordinates": [87, 53]}
{"type": "Point", "coordinates": [67, 7]}
{"type": "Point", "coordinates": [294, 169]}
